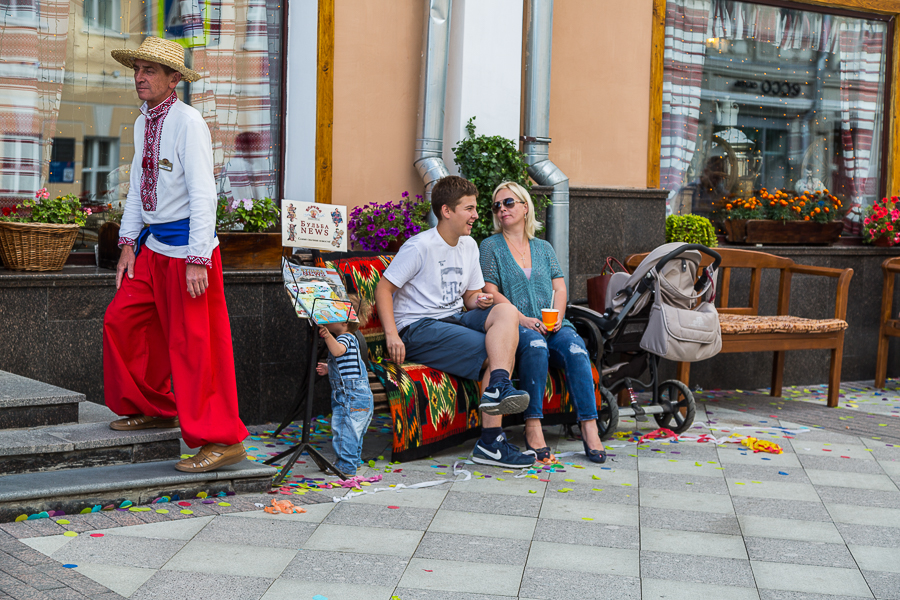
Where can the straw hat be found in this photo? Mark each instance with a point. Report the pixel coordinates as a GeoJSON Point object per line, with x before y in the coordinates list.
{"type": "Point", "coordinates": [158, 50]}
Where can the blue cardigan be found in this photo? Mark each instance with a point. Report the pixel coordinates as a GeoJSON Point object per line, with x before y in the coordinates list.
{"type": "Point", "coordinates": [498, 266]}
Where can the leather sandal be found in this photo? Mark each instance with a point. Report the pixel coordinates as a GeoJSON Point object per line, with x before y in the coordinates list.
{"type": "Point", "coordinates": [212, 456]}
{"type": "Point", "coordinates": [144, 422]}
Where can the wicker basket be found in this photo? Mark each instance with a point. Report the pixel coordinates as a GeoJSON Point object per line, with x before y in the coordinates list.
{"type": "Point", "coordinates": [36, 246]}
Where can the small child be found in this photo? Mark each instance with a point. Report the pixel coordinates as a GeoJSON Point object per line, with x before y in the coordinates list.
{"type": "Point", "coordinates": [352, 403]}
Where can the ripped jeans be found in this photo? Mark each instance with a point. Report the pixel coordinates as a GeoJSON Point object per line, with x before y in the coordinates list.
{"type": "Point", "coordinates": [564, 350]}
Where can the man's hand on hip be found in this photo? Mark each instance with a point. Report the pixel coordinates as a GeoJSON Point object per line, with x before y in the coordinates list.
{"type": "Point", "coordinates": [126, 265]}
{"type": "Point", "coordinates": [197, 280]}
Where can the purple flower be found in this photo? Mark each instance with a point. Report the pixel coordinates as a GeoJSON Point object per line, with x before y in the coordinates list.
{"type": "Point", "coordinates": [416, 229]}
{"type": "Point", "coordinates": [371, 227]}
{"type": "Point", "coordinates": [394, 231]}
{"type": "Point", "coordinates": [405, 194]}
{"type": "Point", "coordinates": [383, 245]}
{"type": "Point", "coordinates": [391, 217]}
{"type": "Point", "coordinates": [382, 232]}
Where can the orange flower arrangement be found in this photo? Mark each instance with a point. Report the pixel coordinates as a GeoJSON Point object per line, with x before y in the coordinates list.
{"type": "Point", "coordinates": [784, 205]}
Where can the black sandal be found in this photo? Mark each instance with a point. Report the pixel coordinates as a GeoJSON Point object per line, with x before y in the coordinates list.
{"type": "Point", "coordinates": [595, 456]}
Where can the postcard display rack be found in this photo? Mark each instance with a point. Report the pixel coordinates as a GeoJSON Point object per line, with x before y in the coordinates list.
{"type": "Point", "coordinates": [319, 296]}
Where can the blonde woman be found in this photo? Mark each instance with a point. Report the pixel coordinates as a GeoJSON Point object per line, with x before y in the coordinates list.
{"type": "Point", "coordinates": [522, 270]}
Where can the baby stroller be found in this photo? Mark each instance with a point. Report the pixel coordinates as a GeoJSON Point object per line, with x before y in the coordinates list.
{"type": "Point", "coordinates": [662, 310]}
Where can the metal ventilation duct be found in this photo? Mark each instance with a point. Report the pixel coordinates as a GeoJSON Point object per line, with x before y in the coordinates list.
{"type": "Point", "coordinates": [538, 50]}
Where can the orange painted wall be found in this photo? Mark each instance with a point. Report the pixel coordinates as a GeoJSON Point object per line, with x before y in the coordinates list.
{"type": "Point", "coordinates": [599, 101]}
{"type": "Point", "coordinates": [376, 90]}
{"type": "Point", "coordinates": [599, 97]}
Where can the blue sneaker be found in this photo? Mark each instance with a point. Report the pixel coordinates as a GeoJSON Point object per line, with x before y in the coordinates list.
{"type": "Point", "coordinates": [501, 454]}
{"type": "Point", "coordinates": [503, 399]}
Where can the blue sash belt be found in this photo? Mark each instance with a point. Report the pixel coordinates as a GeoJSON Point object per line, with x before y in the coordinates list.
{"type": "Point", "coordinates": [176, 233]}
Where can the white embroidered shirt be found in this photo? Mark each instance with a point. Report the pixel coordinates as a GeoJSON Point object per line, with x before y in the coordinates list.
{"type": "Point", "coordinates": [172, 179]}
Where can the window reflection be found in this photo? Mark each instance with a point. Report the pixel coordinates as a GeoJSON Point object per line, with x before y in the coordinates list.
{"type": "Point", "coordinates": [69, 108]}
{"type": "Point", "coordinates": [767, 97]}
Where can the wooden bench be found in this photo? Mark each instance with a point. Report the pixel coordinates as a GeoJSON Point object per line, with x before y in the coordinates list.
{"type": "Point", "coordinates": [889, 327]}
{"type": "Point", "coordinates": [745, 330]}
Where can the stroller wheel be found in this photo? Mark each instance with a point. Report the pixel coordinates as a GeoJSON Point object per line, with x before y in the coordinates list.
{"type": "Point", "coordinates": [678, 401]}
{"type": "Point", "coordinates": [608, 415]}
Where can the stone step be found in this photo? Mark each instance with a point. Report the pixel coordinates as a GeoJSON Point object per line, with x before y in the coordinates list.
{"type": "Point", "coordinates": [73, 490]}
{"type": "Point", "coordinates": [83, 445]}
{"type": "Point", "coordinates": [28, 403]}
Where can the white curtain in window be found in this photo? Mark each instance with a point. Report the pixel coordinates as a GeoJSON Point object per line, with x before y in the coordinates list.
{"type": "Point", "coordinates": [234, 97]}
{"type": "Point", "coordinates": [862, 45]}
{"type": "Point", "coordinates": [687, 28]}
{"type": "Point", "coordinates": [33, 50]}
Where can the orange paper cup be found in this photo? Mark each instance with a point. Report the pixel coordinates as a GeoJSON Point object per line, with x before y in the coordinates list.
{"type": "Point", "coordinates": [549, 316]}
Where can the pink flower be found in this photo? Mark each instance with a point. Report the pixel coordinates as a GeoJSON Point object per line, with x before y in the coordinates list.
{"type": "Point", "coordinates": [87, 211]}
{"type": "Point", "coordinates": [248, 204]}
{"type": "Point", "coordinates": [895, 214]}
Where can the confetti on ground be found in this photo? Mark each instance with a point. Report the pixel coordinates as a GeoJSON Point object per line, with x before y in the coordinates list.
{"type": "Point", "coordinates": [70, 534]}
{"type": "Point", "coordinates": [69, 566]}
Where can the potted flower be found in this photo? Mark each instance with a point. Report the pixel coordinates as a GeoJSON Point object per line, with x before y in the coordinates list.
{"type": "Point", "coordinates": [38, 234]}
{"type": "Point", "coordinates": [783, 217]}
{"type": "Point", "coordinates": [881, 226]}
{"type": "Point", "coordinates": [248, 233]}
{"type": "Point", "coordinates": [247, 230]}
{"type": "Point", "coordinates": [379, 227]}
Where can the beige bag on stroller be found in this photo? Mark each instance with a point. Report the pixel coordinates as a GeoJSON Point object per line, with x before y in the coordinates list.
{"type": "Point", "coordinates": [683, 324]}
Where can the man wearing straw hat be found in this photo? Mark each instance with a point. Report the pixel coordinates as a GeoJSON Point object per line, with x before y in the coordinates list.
{"type": "Point", "coordinates": [167, 355]}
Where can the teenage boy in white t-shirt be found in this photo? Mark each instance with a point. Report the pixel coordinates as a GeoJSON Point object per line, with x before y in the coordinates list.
{"type": "Point", "coordinates": [420, 302]}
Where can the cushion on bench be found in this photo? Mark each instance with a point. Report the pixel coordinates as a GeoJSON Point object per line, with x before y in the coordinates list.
{"type": "Point", "coordinates": [739, 324]}
{"type": "Point", "coordinates": [430, 409]}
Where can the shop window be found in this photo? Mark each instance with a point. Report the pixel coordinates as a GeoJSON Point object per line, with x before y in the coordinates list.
{"type": "Point", "coordinates": [777, 97]}
{"type": "Point", "coordinates": [98, 162]}
{"type": "Point", "coordinates": [71, 102]}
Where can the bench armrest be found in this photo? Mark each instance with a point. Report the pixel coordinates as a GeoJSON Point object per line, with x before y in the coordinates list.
{"type": "Point", "coordinates": [843, 286]}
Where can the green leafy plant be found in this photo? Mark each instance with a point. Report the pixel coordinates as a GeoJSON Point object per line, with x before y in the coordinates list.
{"type": "Point", "coordinates": [692, 229]}
{"type": "Point", "coordinates": [488, 161]}
{"type": "Point", "coordinates": [63, 210]}
{"type": "Point", "coordinates": [374, 226]}
{"type": "Point", "coordinates": [252, 216]}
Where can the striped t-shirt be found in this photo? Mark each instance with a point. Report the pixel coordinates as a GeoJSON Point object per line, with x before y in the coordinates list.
{"type": "Point", "coordinates": [348, 362]}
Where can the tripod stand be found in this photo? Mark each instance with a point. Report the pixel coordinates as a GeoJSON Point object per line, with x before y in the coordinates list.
{"type": "Point", "coordinates": [304, 445]}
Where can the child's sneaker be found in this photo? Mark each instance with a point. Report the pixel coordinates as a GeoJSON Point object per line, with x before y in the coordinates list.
{"type": "Point", "coordinates": [501, 453]}
{"type": "Point", "coordinates": [503, 399]}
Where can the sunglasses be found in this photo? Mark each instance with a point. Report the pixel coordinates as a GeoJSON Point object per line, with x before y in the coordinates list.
{"type": "Point", "coordinates": [507, 202]}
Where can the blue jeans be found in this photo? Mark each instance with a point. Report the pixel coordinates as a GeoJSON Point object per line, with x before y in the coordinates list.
{"type": "Point", "coordinates": [563, 350]}
{"type": "Point", "coordinates": [352, 406]}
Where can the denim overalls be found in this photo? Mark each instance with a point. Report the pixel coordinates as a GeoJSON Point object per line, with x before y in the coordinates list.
{"type": "Point", "coordinates": [352, 406]}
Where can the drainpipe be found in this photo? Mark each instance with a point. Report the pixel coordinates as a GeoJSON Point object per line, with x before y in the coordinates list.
{"type": "Point", "coordinates": [433, 77]}
{"type": "Point", "coordinates": [538, 48]}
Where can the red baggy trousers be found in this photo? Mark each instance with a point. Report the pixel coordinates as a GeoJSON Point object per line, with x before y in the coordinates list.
{"type": "Point", "coordinates": [153, 331]}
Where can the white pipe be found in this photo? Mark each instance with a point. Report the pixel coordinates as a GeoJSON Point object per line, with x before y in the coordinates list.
{"type": "Point", "coordinates": [538, 52]}
{"type": "Point", "coordinates": [433, 77]}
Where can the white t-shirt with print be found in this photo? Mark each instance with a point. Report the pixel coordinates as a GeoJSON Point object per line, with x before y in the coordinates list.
{"type": "Point", "coordinates": [433, 276]}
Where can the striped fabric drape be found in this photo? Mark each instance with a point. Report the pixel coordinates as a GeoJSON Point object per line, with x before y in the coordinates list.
{"type": "Point", "coordinates": [33, 50]}
{"type": "Point", "coordinates": [234, 97]}
{"type": "Point", "coordinates": [788, 29]}
{"type": "Point", "coordinates": [862, 45]}
{"type": "Point", "coordinates": [687, 24]}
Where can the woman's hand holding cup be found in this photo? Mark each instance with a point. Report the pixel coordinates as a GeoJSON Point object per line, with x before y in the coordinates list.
{"type": "Point", "coordinates": [533, 324]}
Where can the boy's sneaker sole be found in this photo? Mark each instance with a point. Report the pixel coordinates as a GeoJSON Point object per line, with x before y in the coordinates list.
{"type": "Point", "coordinates": [510, 405]}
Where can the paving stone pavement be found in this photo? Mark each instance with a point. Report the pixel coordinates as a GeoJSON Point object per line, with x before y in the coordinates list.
{"type": "Point", "coordinates": [821, 521]}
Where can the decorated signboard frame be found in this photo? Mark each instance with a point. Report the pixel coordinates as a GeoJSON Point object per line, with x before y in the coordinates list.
{"type": "Point", "coordinates": [313, 225]}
